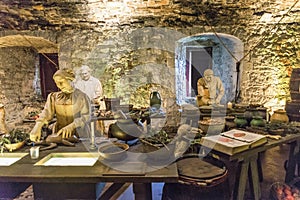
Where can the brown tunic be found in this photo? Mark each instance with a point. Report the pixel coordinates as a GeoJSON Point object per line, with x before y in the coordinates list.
{"type": "Point", "coordinates": [67, 108]}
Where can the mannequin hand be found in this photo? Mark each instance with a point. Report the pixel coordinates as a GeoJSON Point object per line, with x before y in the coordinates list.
{"type": "Point", "coordinates": [66, 131]}
{"type": "Point", "coordinates": [35, 137]}
{"type": "Point", "coordinates": [36, 132]}
{"type": "Point", "coordinates": [211, 102]}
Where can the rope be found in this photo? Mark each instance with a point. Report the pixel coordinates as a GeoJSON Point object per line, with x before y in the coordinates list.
{"type": "Point", "coordinates": [221, 41]}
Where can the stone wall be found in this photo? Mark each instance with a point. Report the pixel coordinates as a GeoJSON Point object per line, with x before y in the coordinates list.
{"type": "Point", "coordinates": [118, 38]}
{"type": "Point", "coordinates": [17, 69]}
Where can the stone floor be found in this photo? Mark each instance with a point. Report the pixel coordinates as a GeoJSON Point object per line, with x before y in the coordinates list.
{"type": "Point", "coordinates": [273, 171]}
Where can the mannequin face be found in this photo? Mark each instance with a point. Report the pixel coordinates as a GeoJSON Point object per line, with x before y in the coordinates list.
{"type": "Point", "coordinates": [63, 84]}
{"type": "Point", "coordinates": [85, 75]}
{"type": "Point", "coordinates": [208, 77]}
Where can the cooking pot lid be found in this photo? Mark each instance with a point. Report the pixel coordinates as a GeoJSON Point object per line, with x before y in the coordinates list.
{"type": "Point", "coordinates": [196, 168]}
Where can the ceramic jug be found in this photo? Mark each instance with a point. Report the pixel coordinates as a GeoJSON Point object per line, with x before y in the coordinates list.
{"type": "Point", "coordinates": [279, 116]}
{"type": "Point", "coordinates": [155, 100]}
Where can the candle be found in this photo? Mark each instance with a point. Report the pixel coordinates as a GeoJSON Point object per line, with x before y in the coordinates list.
{"type": "Point", "coordinates": [229, 105]}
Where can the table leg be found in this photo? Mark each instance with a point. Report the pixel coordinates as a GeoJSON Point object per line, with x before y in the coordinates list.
{"type": "Point", "coordinates": [248, 168]}
{"type": "Point", "coordinates": [291, 164]}
{"type": "Point", "coordinates": [111, 191]}
{"type": "Point", "coordinates": [259, 167]}
{"type": "Point", "coordinates": [254, 178]}
{"type": "Point", "coordinates": [142, 191]}
{"type": "Point", "coordinates": [241, 181]}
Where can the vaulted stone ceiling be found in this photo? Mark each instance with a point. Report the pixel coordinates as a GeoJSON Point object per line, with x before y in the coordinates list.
{"type": "Point", "coordinates": [66, 14]}
{"type": "Point", "coordinates": [35, 15]}
{"type": "Point", "coordinates": [97, 15]}
{"type": "Point", "coordinates": [90, 14]}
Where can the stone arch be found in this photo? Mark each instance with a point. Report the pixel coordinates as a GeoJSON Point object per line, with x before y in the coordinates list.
{"type": "Point", "coordinates": [227, 51]}
{"type": "Point", "coordinates": [40, 44]}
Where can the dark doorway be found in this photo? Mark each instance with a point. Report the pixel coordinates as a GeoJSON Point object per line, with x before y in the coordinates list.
{"type": "Point", "coordinates": [48, 66]}
{"type": "Point", "coordinates": [198, 60]}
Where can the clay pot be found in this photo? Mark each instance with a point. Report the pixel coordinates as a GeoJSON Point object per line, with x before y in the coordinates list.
{"type": "Point", "coordinates": [257, 121]}
{"type": "Point", "coordinates": [249, 113]}
{"type": "Point", "coordinates": [240, 121]}
{"type": "Point", "coordinates": [262, 111]}
{"type": "Point", "coordinates": [229, 123]}
{"type": "Point", "coordinates": [279, 116]}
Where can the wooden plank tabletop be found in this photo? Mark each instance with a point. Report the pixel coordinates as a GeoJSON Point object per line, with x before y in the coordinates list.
{"type": "Point", "coordinates": [25, 171]}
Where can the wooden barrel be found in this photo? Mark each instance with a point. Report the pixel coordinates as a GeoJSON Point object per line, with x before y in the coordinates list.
{"type": "Point", "coordinates": [295, 84]}
{"type": "Point", "coordinates": [293, 110]}
{"type": "Point", "coordinates": [198, 177]}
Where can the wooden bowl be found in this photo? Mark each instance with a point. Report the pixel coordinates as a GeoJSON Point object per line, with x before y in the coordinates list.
{"type": "Point", "coordinates": [14, 146]}
{"type": "Point", "coordinates": [113, 151]}
{"type": "Point", "coordinates": [205, 109]}
{"type": "Point", "coordinates": [211, 127]}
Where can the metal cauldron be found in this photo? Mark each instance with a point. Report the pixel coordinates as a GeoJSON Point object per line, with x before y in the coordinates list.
{"type": "Point", "coordinates": [125, 129]}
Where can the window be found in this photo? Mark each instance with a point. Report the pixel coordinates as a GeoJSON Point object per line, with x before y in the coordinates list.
{"type": "Point", "coordinates": [198, 59]}
{"type": "Point", "coordinates": [48, 66]}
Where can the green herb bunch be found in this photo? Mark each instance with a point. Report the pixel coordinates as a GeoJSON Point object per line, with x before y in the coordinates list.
{"type": "Point", "coordinates": [14, 136]}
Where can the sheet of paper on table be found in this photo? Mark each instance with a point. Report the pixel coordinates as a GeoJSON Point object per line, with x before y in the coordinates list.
{"type": "Point", "coordinates": [7, 159]}
{"type": "Point", "coordinates": [70, 162]}
{"type": "Point", "coordinates": [69, 159]}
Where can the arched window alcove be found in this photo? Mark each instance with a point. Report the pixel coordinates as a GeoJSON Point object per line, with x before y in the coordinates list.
{"type": "Point", "coordinates": [46, 60]}
{"type": "Point", "coordinates": [219, 52]}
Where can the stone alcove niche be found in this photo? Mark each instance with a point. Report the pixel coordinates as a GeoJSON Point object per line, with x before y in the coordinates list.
{"type": "Point", "coordinates": [224, 51]}
{"type": "Point", "coordinates": [20, 81]}
{"type": "Point", "coordinates": [45, 52]}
